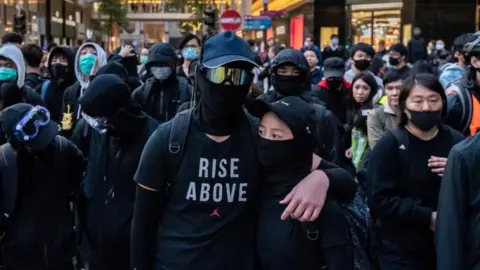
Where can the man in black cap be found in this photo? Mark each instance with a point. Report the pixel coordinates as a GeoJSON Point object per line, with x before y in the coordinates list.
{"type": "Point", "coordinates": [333, 89]}
{"type": "Point", "coordinates": [40, 171]}
{"type": "Point", "coordinates": [199, 211]}
{"type": "Point", "coordinates": [118, 130]}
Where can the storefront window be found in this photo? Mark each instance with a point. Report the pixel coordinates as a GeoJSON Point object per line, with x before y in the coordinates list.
{"type": "Point", "coordinates": [372, 26]}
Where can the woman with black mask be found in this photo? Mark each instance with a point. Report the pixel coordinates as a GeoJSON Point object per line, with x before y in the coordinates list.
{"type": "Point", "coordinates": [285, 148]}
{"type": "Point", "coordinates": [404, 173]}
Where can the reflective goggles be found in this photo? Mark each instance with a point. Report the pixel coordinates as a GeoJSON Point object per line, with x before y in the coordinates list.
{"type": "Point", "coordinates": [221, 75]}
{"type": "Point", "coordinates": [27, 128]}
{"type": "Point", "coordinates": [97, 123]}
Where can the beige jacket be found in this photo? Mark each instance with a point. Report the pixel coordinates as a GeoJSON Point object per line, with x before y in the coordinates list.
{"type": "Point", "coordinates": [380, 120]}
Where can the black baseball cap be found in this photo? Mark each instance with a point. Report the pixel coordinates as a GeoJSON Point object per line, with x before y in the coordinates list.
{"type": "Point", "coordinates": [298, 114]}
{"type": "Point", "coordinates": [333, 67]}
{"type": "Point", "coordinates": [9, 118]}
{"type": "Point", "coordinates": [225, 48]}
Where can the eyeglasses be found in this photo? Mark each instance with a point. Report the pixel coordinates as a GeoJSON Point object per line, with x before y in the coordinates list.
{"type": "Point", "coordinates": [235, 76]}
{"type": "Point", "coordinates": [27, 128]}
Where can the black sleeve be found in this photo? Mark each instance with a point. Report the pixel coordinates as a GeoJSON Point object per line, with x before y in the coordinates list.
{"type": "Point", "coordinates": [451, 222]}
{"type": "Point", "coordinates": [454, 108]}
{"type": "Point", "coordinates": [81, 136]}
{"type": "Point", "coordinates": [383, 173]}
{"type": "Point", "coordinates": [31, 97]}
{"type": "Point", "coordinates": [152, 176]}
{"type": "Point", "coordinates": [77, 165]}
{"type": "Point", "coordinates": [342, 184]}
{"type": "Point", "coordinates": [328, 138]}
{"type": "Point", "coordinates": [264, 74]}
{"type": "Point", "coordinates": [137, 95]}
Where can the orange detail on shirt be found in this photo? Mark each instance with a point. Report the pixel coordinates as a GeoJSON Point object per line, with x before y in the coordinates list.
{"type": "Point", "coordinates": [475, 123]}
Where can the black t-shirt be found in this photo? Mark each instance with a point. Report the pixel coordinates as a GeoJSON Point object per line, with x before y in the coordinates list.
{"type": "Point", "coordinates": [208, 220]}
{"type": "Point", "coordinates": [405, 197]}
{"type": "Point", "coordinates": [283, 244]}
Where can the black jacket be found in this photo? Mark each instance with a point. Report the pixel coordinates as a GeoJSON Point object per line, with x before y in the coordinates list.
{"type": "Point", "coordinates": [41, 226]}
{"type": "Point", "coordinates": [54, 93]}
{"type": "Point", "coordinates": [32, 80]}
{"type": "Point", "coordinates": [339, 52]}
{"type": "Point", "coordinates": [130, 64]}
{"type": "Point", "coordinates": [417, 50]}
{"type": "Point", "coordinates": [31, 97]}
{"type": "Point", "coordinates": [70, 108]}
{"type": "Point", "coordinates": [458, 215]}
{"type": "Point", "coordinates": [161, 99]}
{"type": "Point", "coordinates": [109, 187]}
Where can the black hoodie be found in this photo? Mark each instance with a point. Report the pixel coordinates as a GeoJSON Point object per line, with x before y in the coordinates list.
{"type": "Point", "coordinates": [130, 64]}
{"type": "Point", "coordinates": [161, 99]}
{"type": "Point", "coordinates": [327, 124]}
{"type": "Point", "coordinates": [112, 161]}
{"type": "Point", "coordinates": [56, 86]}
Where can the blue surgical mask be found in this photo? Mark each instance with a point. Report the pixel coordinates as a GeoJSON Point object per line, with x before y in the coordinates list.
{"type": "Point", "coordinates": [143, 59]}
{"type": "Point", "coordinates": [335, 41]}
{"type": "Point", "coordinates": [189, 53]}
{"type": "Point", "coordinates": [7, 74]}
{"type": "Point", "coordinates": [439, 47]}
{"type": "Point", "coordinates": [161, 73]}
{"type": "Point", "coordinates": [86, 63]}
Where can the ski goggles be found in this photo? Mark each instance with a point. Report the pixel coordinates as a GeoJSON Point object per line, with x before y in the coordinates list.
{"type": "Point", "coordinates": [97, 123]}
{"type": "Point", "coordinates": [221, 75]}
{"type": "Point", "coordinates": [27, 128]}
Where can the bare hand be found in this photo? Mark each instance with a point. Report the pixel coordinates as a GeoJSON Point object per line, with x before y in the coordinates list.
{"type": "Point", "coordinates": [95, 68]}
{"type": "Point", "coordinates": [433, 221]}
{"type": "Point", "coordinates": [437, 164]}
{"type": "Point", "coordinates": [126, 51]}
{"type": "Point", "coordinates": [348, 153]}
{"type": "Point", "coordinates": [306, 200]}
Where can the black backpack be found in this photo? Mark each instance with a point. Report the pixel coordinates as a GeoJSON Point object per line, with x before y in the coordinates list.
{"type": "Point", "coordinates": [9, 176]}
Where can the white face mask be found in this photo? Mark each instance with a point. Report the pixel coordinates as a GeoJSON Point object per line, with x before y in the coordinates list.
{"type": "Point", "coordinates": [161, 73]}
{"type": "Point", "coordinates": [439, 47]}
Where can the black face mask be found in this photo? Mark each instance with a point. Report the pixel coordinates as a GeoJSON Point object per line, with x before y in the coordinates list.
{"type": "Point", "coordinates": [362, 64]}
{"type": "Point", "coordinates": [394, 61]}
{"type": "Point", "coordinates": [282, 155]}
{"type": "Point", "coordinates": [59, 71]}
{"type": "Point", "coordinates": [425, 120]}
{"type": "Point", "coordinates": [335, 83]}
{"type": "Point", "coordinates": [220, 107]}
{"type": "Point", "coordinates": [288, 85]}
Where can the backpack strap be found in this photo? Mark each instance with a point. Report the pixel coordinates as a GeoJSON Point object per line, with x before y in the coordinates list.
{"type": "Point", "coordinates": [60, 143]}
{"type": "Point", "coordinates": [9, 181]}
{"type": "Point", "coordinates": [178, 139]}
{"type": "Point", "coordinates": [44, 89]}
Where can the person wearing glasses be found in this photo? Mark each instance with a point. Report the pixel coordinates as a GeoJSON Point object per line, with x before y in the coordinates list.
{"type": "Point", "coordinates": [196, 195]}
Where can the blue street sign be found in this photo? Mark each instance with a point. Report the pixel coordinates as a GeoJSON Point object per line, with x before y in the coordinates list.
{"type": "Point", "coordinates": [257, 23]}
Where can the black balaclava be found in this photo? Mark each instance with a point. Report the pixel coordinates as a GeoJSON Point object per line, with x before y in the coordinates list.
{"type": "Point", "coordinates": [291, 85]}
{"type": "Point", "coordinates": [287, 162]}
{"type": "Point", "coordinates": [220, 110]}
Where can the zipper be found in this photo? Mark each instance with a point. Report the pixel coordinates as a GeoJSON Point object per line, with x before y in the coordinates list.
{"type": "Point", "coordinates": [46, 255]}
{"type": "Point", "coordinates": [161, 103]}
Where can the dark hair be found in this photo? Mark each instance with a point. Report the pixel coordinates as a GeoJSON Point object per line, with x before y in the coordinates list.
{"type": "Point", "coordinates": [251, 42]}
{"type": "Point", "coordinates": [333, 36]}
{"type": "Point", "coordinates": [308, 50]}
{"type": "Point", "coordinates": [13, 38]}
{"type": "Point", "coordinates": [358, 120]}
{"type": "Point", "coordinates": [392, 76]}
{"type": "Point", "coordinates": [428, 81]}
{"type": "Point", "coordinates": [364, 47]}
{"type": "Point", "coordinates": [51, 46]}
{"type": "Point", "coordinates": [400, 48]}
{"type": "Point", "coordinates": [276, 49]}
{"type": "Point", "coordinates": [376, 65]}
{"type": "Point", "coordinates": [460, 42]}
{"type": "Point", "coordinates": [422, 67]}
{"type": "Point", "coordinates": [187, 39]}
{"type": "Point", "coordinates": [311, 38]}
{"type": "Point", "coordinates": [32, 53]}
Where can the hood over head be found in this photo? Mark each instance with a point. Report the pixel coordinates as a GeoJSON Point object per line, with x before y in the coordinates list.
{"type": "Point", "coordinates": [161, 53]}
{"type": "Point", "coordinates": [101, 60]}
{"type": "Point", "coordinates": [291, 56]}
{"type": "Point", "coordinates": [113, 68]}
{"type": "Point", "coordinates": [68, 53]}
{"type": "Point", "coordinates": [109, 96]}
{"type": "Point", "coordinates": [130, 63]}
{"type": "Point", "coordinates": [291, 85]}
{"type": "Point", "coordinates": [13, 53]}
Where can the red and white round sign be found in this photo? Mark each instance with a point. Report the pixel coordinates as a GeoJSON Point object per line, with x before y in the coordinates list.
{"type": "Point", "coordinates": [230, 20]}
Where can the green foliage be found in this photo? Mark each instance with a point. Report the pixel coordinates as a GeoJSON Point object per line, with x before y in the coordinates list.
{"type": "Point", "coordinates": [116, 12]}
{"type": "Point", "coordinates": [196, 7]}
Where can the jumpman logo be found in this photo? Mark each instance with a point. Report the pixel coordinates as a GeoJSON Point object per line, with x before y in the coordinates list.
{"type": "Point", "coordinates": [215, 213]}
